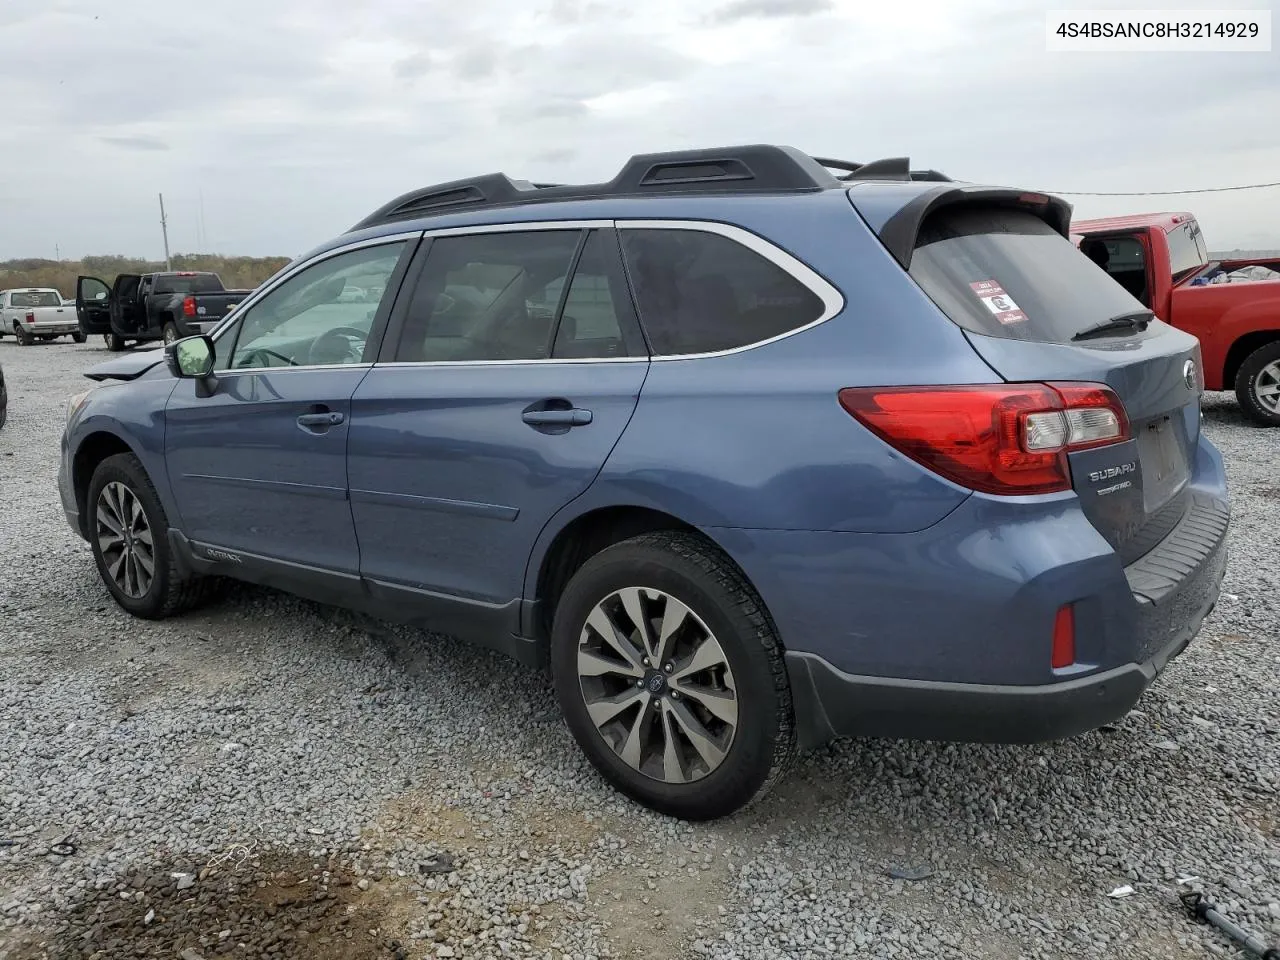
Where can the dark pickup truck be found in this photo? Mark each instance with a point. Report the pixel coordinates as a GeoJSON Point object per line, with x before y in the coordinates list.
{"type": "Point", "coordinates": [153, 306]}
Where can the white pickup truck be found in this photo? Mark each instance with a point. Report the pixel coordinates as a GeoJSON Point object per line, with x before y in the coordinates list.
{"type": "Point", "coordinates": [37, 313]}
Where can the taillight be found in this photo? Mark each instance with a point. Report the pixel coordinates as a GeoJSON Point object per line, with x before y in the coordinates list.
{"type": "Point", "coordinates": [189, 306]}
{"type": "Point", "coordinates": [1063, 653]}
{"type": "Point", "coordinates": [999, 438]}
{"type": "Point", "coordinates": [31, 317]}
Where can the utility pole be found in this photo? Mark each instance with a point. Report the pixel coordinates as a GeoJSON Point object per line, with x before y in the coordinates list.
{"type": "Point", "coordinates": [164, 229]}
{"type": "Point", "coordinates": [57, 253]}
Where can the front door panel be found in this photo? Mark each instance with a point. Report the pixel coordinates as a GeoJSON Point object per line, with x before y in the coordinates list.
{"type": "Point", "coordinates": [260, 466]}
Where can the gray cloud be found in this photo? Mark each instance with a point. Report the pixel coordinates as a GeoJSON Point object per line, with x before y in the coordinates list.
{"type": "Point", "coordinates": [413, 66]}
{"type": "Point", "coordinates": [554, 155]}
{"type": "Point", "coordinates": [136, 143]}
{"type": "Point", "coordinates": [296, 118]}
{"type": "Point", "coordinates": [749, 9]}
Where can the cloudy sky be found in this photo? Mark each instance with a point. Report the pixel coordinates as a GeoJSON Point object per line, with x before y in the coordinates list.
{"type": "Point", "coordinates": [271, 125]}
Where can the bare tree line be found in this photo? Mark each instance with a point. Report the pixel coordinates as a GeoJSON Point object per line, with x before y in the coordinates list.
{"type": "Point", "coordinates": [236, 272]}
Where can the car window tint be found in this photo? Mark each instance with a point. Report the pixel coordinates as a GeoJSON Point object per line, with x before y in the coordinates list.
{"type": "Point", "coordinates": [321, 315]}
{"type": "Point", "coordinates": [699, 292]}
{"type": "Point", "coordinates": [488, 296]}
{"type": "Point", "coordinates": [1007, 273]}
{"type": "Point", "coordinates": [598, 319]}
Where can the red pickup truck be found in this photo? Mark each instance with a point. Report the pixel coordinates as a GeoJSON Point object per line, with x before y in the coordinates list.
{"type": "Point", "coordinates": [1162, 260]}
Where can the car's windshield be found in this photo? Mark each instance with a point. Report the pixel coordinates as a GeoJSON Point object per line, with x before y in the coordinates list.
{"type": "Point", "coordinates": [36, 298]}
{"type": "Point", "coordinates": [1007, 273]}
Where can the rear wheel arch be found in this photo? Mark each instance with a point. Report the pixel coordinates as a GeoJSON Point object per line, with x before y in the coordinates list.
{"type": "Point", "coordinates": [587, 535]}
{"type": "Point", "coordinates": [1240, 351]}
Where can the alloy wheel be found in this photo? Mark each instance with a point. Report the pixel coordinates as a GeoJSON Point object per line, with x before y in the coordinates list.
{"type": "Point", "coordinates": [125, 540]}
{"type": "Point", "coordinates": [1266, 387]}
{"type": "Point", "coordinates": [657, 685]}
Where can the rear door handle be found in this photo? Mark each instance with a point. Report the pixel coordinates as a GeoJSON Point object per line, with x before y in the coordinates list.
{"type": "Point", "coordinates": [320, 419]}
{"type": "Point", "coordinates": [573, 417]}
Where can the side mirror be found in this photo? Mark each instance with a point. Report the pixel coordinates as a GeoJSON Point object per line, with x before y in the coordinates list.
{"type": "Point", "coordinates": [191, 358]}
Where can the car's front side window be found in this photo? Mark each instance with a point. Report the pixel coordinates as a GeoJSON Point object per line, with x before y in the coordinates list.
{"type": "Point", "coordinates": [320, 316]}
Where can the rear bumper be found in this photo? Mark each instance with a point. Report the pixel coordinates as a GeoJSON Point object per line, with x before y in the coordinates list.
{"type": "Point", "coordinates": [190, 328]}
{"type": "Point", "coordinates": [946, 633]}
{"type": "Point", "coordinates": [59, 329]}
{"type": "Point", "coordinates": [831, 703]}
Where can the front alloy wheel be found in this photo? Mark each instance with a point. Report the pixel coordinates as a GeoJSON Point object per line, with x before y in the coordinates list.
{"type": "Point", "coordinates": [125, 539]}
{"type": "Point", "coordinates": [657, 685]}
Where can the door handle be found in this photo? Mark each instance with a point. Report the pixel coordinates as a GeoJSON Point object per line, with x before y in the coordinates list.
{"type": "Point", "coordinates": [320, 419]}
{"type": "Point", "coordinates": [573, 417]}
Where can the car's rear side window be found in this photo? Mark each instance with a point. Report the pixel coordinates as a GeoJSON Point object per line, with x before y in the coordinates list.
{"type": "Point", "coordinates": [702, 292]}
{"type": "Point", "coordinates": [1007, 273]}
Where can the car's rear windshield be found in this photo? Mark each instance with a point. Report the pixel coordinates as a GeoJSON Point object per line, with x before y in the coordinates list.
{"type": "Point", "coordinates": [199, 283]}
{"type": "Point", "coordinates": [1187, 252]}
{"type": "Point", "coordinates": [1007, 273]}
{"type": "Point", "coordinates": [36, 298]}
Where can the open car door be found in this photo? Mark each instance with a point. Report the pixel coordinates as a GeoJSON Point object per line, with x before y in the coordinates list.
{"type": "Point", "coordinates": [93, 306]}
{"type": "Point", "coordinates": [128, 311]}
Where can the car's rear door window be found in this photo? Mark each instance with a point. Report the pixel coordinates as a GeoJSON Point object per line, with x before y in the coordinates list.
{"type": "Point", "coordinates": [1007, 273]}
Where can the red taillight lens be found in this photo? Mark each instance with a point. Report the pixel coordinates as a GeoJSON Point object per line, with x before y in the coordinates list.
{"type": "Point", "coordinates": [31, 317]}
{"type": "Point", "coordinates": [1064, 638]}
{"type": "Point", "coordinates": [1000, 438]}
{"type": "Point", "coordinates": [189, 306]}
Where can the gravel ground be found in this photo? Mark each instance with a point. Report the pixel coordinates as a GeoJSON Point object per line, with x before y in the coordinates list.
{"type": "Point", "coordinates": [271, 778]}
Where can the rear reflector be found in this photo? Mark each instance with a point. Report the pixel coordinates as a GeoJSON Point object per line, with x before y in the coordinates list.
{"type": "Point", "coordinates": [1009, 438]}
{"type": "Point", "coordinates": [1064, 638]}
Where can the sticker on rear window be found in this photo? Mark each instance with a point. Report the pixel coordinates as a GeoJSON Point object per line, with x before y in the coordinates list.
{"type": "Point", "coordinates": [998, 302]}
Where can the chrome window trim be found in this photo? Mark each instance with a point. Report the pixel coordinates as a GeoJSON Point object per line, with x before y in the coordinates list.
{"type": "Point", "coordinates": [258, 371]}
{"type": "Point", "coordinates": [257, 295]}
{"type": "Point", "coordinates": [833, 300]}
{"type": "Point", "coordinates": [506, 363]}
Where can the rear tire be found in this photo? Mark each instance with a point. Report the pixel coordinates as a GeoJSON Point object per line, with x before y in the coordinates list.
{"type": "Point", "coordinates": [129, 534]}
{"type": "Point", "coordinates": [1258, 385]}
{"type": "Point", "coordinates": [749, 727]}
{"type": "Point", "coordinates": [170, 332]}
{"type": "Point", "coordinates": [24, 338]}
{"type": "Point", "coordinates": [114, 343]}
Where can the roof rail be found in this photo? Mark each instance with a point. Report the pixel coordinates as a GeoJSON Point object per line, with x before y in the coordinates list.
{"type": "Point", "coordinates": [752, 168]}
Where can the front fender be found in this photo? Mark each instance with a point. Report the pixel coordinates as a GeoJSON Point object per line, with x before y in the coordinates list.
{"type": "Point", "coordinates": [133, 413]}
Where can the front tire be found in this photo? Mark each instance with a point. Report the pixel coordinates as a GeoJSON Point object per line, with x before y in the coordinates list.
{"type": "Point", "coordinates": [114, 343]}
{"type": "Point", "coordinates": [1258, 385]}
{"type": "Point", "coordinates": [79, 337]}
{"type": "Point", "coordinates": [671, 676]}
{"type": "Point", "coordinates": [129, 534]}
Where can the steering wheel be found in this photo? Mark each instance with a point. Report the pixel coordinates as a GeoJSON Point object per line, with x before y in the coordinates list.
{"type": "Point", "coordinates": [338, 344]}
{"type": "Point", "coordinates": [264, 352]}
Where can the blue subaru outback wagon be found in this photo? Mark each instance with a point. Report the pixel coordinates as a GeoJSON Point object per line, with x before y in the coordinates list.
{"type": "Point", "coordinates": [752, 449]}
